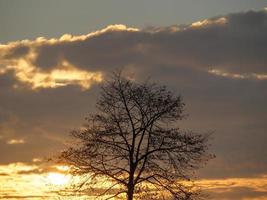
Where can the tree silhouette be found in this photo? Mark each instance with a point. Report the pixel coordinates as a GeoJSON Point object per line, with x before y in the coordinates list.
{"type": "Point", "coordinates": [134, 144]}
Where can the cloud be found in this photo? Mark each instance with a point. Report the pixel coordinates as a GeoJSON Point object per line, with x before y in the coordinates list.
{"type": "Point", "coordinates": [14, 168]}
{"type": "Point", "coordinates": [238, 76]}
{"type": "Point", "coordinates": [63, 74]}
{"type": "Point", "coordinates": [19, 57]}
{"type": "Point", "coordinates": [235, 188]}
{"type": "Point", "coordinates": [233, 46]}
{"type": "Point", "coordinates": [20, 168]}
{"type": "Point", "coordinates": [16, 141]}
{"type": "Point", "coordinates": [238, 193]}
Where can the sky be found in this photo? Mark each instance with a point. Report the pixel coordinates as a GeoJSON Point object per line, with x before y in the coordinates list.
{"type": "Point", "coordinates": [29, 19]}
{"type": "Point", "coordinates": [54, 55]}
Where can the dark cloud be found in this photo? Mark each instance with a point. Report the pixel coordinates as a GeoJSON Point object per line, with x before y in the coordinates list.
{"type": "Point", "coordinates": [17, 52]}
{"type": "Point", "coordinates": [238, 193]}
{"type": "Point", "coordinates": [104, 51]}
{"type": "Point", "coordinates": [43, 119]}
{"type": "Point", "coordinates": [235, 43]}
{"type": "Point", "coordinates": [233, 109]}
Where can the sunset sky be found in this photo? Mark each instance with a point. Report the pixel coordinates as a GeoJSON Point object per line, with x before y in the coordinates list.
{"type": "Point", "coordinates": [54, 54]}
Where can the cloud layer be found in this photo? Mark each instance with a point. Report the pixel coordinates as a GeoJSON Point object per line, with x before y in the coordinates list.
{"type": "Point", "coordinates": [232, 46]}
{"type": "Point", "coordinates": [42, 184]}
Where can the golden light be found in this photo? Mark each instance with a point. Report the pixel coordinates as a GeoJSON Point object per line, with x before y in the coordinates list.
{"type": "Point", "coordinates": [57, 178]}
{"type": "Point", "coordinates": [63, 168]}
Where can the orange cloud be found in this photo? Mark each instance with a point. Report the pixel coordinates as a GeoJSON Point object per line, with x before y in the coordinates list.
{"type": "Point", "coordinates": [16, 141]}
{"type": "Point", "coordinates": [219, 72]}
{"type": "Point", "coordinates": [62, 75]}
{"type": "Point", "coordinates": [206, 22]}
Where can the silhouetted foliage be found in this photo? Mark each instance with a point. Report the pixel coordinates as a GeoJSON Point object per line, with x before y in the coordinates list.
{"type": "Point", "coordinates": [133, 144]}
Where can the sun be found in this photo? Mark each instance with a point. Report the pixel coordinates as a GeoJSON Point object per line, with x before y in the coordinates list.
{"type": "Point", "coordinates": [58, 179]}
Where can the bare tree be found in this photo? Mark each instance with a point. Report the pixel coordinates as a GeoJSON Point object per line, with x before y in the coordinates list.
{"type": "Point", "coordinates": [133, 142]}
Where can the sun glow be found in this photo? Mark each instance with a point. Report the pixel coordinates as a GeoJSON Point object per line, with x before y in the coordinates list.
{"type": "Point", "coordinates": [58, 179]}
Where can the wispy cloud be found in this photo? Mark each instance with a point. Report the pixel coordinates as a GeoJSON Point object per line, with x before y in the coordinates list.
{"type": "Point", "coordinates": [16, 141]}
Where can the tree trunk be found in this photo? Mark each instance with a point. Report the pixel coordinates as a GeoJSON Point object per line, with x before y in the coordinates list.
{"type": "Point", "coordinates": [130, 192]}
{"type": "Point", "coordinates": [130, 185]}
